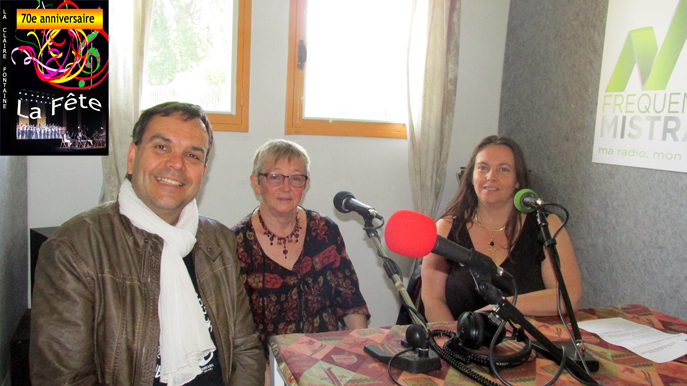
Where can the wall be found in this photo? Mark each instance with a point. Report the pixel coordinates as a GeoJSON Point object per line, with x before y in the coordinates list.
{"type": "Point", "coordinates": [13, 253]}
{"type": "Point", "coordinates": [483, 27]}
{"type": "Point", "coordinates": [375, 170]}
{"type": "Point", "coordinates": [626, 223]}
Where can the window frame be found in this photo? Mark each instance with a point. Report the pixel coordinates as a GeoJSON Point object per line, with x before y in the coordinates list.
{"type": "Point", "coordinates": [238, 122]}
{"type": "Point", "coordinates": [295, 123]}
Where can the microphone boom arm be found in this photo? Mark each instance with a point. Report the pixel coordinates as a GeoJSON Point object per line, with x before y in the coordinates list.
{"type": "Point", "coordinates": [550, 244]}
{"type": "Point", "coordinates": [507, 311]}
{"type": "Point", "coordinates": [393, 271]}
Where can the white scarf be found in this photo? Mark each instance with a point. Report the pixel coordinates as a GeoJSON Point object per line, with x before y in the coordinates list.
{"type": "Point", "coordinates": [184, 336]}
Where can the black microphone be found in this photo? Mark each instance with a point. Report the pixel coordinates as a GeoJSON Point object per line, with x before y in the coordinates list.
{"type": "Point", "coordinates": [414, 234]}
{"type": "Point", "coordinates": [475, 261]}
{"type": "Point", "coordinates": [526, 200]}
{"type": "Point", "coordinates": [345, 202]}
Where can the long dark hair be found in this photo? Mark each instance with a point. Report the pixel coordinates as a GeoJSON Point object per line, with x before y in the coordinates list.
{"type": "Point", "coordinates": [463, 205]}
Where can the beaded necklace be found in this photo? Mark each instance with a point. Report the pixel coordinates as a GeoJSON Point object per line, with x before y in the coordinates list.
{"type": "Point", "coordinates": [290, 238]}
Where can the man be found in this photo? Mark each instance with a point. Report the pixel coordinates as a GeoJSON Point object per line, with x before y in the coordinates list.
{"type": "Point", "coordinates": [143, 290]}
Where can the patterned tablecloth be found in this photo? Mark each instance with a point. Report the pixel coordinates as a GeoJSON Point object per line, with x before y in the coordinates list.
{"type": "Point", "coordinates": [337, 358]}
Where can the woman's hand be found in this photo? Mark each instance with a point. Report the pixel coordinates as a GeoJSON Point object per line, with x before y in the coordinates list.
{"type": "Point", "coordinates": [544, 302]}
{"type": "Point", "coordinates": [355, 321]}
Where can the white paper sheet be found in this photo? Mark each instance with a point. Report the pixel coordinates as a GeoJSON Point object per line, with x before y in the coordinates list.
{"type": "Point", "coordinates": [642, 340]}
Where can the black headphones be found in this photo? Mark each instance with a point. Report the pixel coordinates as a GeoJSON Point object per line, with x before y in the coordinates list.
{"type": "Point", "coordinates": [476, 330]}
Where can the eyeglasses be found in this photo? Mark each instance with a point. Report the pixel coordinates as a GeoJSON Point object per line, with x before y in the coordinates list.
{"type": "Point", "coordinates": [274, 179]}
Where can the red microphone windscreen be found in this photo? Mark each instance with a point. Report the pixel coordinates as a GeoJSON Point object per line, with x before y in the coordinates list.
{"type": "Point", "coordinates": [411, 234]}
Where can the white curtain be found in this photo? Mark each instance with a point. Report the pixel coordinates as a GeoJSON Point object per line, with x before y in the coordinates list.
{"type": "Point", "coordinates": [129, 30]}
{"type": "Point", "coordinates": [432, 78]}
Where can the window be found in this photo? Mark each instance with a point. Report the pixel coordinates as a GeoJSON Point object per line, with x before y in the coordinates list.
{"type": "Point", "coordinates": [347, 68]}
{"type": "Point", "coordinates": [199, 52]}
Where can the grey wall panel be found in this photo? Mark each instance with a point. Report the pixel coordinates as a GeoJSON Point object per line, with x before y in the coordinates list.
{"type": "Point", "coordinates": [627, 224]}
{"type": "Point", "coordinates": [13, 251]}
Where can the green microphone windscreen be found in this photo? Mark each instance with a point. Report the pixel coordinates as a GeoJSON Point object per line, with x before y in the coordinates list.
{"type": "Point", "coordinates": [518, 200]}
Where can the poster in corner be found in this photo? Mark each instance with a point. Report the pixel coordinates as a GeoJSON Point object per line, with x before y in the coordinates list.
{"type": "Point", "coordinates": [55, 69]}
{"type": "Point", "coordinates": [642, 103]}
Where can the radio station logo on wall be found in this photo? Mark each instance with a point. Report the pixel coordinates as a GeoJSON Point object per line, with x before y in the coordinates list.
{"type": "Point", "coordinates": [641, 116]}
{"type": "Point", "coordinates": [54, 67]}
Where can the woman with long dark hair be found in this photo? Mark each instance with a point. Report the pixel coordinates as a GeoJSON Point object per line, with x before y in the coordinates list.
{"type": "Point", "coordinates": [482, 215]}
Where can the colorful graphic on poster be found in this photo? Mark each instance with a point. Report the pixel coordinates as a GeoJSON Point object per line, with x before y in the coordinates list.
{"type": "Point", "coordinates": [55, 66]}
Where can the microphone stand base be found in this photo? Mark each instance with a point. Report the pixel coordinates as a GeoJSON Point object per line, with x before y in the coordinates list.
{"type": "Point", "coordinates": [411, 363]}
{"type": "Point", "coordinates": [591, 362]}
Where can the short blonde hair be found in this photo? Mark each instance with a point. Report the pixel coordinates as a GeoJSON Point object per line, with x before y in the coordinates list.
{"type": "Point", "coordinates": [276, 150]}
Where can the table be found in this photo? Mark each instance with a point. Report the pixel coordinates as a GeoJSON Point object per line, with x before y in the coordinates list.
{"type": "Point", "coordinates": [337, 358]}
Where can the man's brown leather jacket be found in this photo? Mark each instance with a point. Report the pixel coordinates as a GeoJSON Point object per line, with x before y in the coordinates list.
{"type": "Point", "coordinates": [94, 317]}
